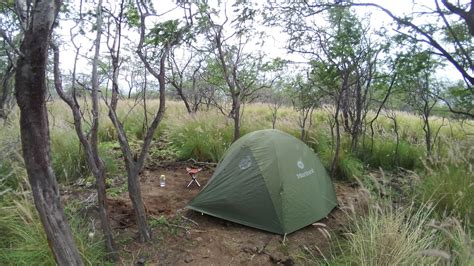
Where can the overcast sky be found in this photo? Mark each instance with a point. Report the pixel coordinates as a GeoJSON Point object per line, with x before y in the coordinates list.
{"type": "Point", "coordinates": [274, 46]}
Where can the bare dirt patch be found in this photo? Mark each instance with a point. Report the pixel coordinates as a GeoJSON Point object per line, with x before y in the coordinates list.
{"type": "Point", "coordinates": [183, 236]}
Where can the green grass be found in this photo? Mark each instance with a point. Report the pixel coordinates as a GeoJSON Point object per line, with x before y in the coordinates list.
{"type": "Point", "coordinates": [10, 172]}
{"type": "Point", "coordinates": [68, 159]}
{"type": "Point", "coordinates": [206, 135]}
{"type": "Point", "coordinates": [23, 241]}
{"type": "Point", "coordinates": [384, 154]}
{"type": "Point", "coordinates": [12, 169]}
{"type": "Point", "coordinates": [389, 236]}
{"type": "Point", "coordinates": [201, 138]}
{"type": "Point", "coordinates": [449, 183]}
{"type": "Point", "coordinates": [457, 240]}
{"type": "Point", "coordinates": [404, 234]}
{"type": "Point", "coordinates": [398, 235]}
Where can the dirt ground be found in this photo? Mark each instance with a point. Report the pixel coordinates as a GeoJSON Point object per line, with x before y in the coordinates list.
{"type": "Point", "coordinates": [183, 236]}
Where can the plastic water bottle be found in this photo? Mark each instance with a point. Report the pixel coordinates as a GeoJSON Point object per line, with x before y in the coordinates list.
{"type": "Point", "coordinates": [162, 180]}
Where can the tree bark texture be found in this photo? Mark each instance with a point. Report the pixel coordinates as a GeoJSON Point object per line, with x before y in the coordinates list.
{"type": "Point", "coordinates": [6, 90]}
{"type": "Point", "coordinates": [31, 94]}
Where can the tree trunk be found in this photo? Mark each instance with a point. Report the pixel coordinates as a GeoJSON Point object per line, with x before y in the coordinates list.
{"type": "Point", "coordinates": [104, 215]}
{"type": "Point", "coordinates": [274, 117]}
{"type": "Point", "coordinates": [303, 131]}
{"type": "Point", "coordinates": [302, 121]}
{"type": "Point", "coordinates": [344, 106]}
{"type": "Point", "coordinates": [100, 173]}
{"type": "Point", "coordinates": [135, 195]}
{"type": "Point", "coordinates": [4, 106]}
{"type": "Point", "coordinates": [335, 161]}
{"type": "Point", "coordinates": [395, 128]}
{"type": "Point", "coordinates": [357, 123]}
{"type": "Point", "coordinates": [427, 130]}
{"type": "Point", "coordinates": [179, 90]}
{"type": "Point", "coordinates": [133, 168]}
{"type": "Point", "coordinates": [236, 117]}
{"type": "Point", "coordinates": [31, 93]}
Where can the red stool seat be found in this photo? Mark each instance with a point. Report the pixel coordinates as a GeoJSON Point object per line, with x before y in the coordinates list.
{"type": "Point", "coordinates": [192, 172]}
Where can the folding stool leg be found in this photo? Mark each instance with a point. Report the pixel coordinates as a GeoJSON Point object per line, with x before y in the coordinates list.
{"type": "Point", "coordinates": [190, 182]}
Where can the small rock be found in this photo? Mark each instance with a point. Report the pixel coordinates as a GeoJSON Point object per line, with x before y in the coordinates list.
{"type": "Point", "coordinates": [199, 239]}
{"type": "Point", "coordinates": [141, 261]}
{"type": "Point", "coordinates": [188, 259]}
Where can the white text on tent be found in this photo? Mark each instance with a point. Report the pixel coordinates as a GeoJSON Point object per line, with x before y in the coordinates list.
{"type": "Point", "coordinates": [305, 174]}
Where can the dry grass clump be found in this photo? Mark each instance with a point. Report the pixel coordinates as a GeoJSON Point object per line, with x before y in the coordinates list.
{"type": "Point", "coordinates": [389, 236]}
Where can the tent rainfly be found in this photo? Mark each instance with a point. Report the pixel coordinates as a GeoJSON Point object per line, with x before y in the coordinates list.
{"type": "Point", "coordinates": [269, 180]}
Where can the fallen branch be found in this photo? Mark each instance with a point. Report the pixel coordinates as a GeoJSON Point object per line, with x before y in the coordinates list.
{"type": "Point", "coordinates": [178, 226]}
{"type": "Point", "coordinates": [201, 163]}
{"type": "Point", "coordinates": [187, 219]}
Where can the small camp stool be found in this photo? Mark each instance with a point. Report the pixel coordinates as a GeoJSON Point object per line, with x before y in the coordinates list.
{"type": "Point", "coordinates": [193, 173]}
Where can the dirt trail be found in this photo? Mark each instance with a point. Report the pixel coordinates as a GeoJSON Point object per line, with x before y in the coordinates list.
{"type": "Point", "coordinates": [187, 237]}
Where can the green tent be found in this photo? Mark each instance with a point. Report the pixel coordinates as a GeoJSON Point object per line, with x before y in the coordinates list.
{"type": "Point", "coordinates": [268, 180]}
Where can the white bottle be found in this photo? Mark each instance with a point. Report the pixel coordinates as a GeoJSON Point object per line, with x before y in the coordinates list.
{"type": "Point", "coordinates": [162, 180]}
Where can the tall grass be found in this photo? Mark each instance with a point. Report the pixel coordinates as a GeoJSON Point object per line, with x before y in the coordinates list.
{"type": "Point", "coordinates": [384, 153]}
{"type": "Point", "coordinates": [201, 137]}
{"type": "Point", "coordinates": [23, 241]}
{"type": "Point", "coordinates": [206, 135]}
{"type": "Point", "coordinates": [457, 240]}
{"type": "Point", "coordinates": [448, 182]}
{"type": "Point", "coordinates": [69, 162]}
{"type": "Point", "coordinates": [11, 160]}
{"type": "Point", "coordinates": [389, 236]}
{"type": "Point", "coordinates": [68, 159]}
{"type": "Point", "coordinates": [385, 235]}
{"type": "Point", "coordinates": [403, 234]}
